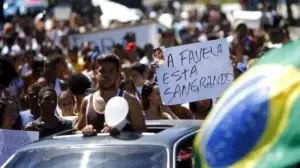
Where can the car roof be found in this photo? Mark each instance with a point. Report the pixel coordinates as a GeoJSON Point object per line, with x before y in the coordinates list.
{"type": "Point", "coordinates": [175, 123]}
{"type": "Point", "coordinates": [172, 130]}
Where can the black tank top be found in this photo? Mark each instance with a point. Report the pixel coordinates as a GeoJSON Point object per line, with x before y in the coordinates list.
{"type": "Point", "coordinates": [96, 118]}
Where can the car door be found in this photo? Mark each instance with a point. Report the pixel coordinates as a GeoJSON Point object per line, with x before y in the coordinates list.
{"type": "Point", "coordinates": [183, 151]}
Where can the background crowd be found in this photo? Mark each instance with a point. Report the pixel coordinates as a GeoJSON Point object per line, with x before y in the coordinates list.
{"type": "Point", "coordinates": [46, 85]}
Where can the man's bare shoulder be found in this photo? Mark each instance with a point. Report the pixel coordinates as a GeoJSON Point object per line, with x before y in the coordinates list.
{"type": "Point", "coordinates": [86, 98]}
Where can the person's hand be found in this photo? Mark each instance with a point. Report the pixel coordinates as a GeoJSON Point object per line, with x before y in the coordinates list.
{"type": "Point", "coordinates": [110, 130]}
{"type": "Point", "coordinates": [165, 108]}
{"type": "Point", "coordinates": [154, 65]}
{"type": "Point", "coordinates": [234, 61]}
{"type": "Point", "coordinates": [88, 131]}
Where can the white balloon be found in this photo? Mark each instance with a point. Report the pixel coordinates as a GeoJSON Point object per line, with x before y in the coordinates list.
{"type": "Point", "coordinates": [116, 112]}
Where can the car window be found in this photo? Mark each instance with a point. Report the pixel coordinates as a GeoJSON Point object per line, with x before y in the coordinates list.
{"type": "Point", "coordinates": [184, 158]}
{"type": "Point", "coordinates": [96, 157]}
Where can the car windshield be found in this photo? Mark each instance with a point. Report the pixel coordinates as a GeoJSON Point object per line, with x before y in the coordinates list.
{"type": "Point", "coordinates": [93, 157]}
{"type": "Point", "coordinates": [10, 2]}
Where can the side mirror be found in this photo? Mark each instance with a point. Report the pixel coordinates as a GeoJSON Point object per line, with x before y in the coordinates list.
{"type": "Point", "coordinates": [116, 112]}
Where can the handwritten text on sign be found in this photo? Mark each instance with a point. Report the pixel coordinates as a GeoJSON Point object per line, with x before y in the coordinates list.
{"type": "Point", "coordinates": [11, 141]}
{"type": "Point", "coordinates": [195, 72]}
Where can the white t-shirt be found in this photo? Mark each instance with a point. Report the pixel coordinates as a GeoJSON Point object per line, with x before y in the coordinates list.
{"type": "Point", "coordinates": [145, 61]}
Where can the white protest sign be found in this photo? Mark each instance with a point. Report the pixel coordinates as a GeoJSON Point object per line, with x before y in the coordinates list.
{"type": "Point", "coordinates": [195, 72]}
{"type": "Point", "coordinates": [251, 18]}
{"type": "Point", "coordinates": [11, 141]}
{"type": "Point", "coordinates": [104, 40]}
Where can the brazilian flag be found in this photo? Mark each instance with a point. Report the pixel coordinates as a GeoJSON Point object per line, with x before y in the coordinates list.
{"type": "Point", "coordinates": [256, 123]}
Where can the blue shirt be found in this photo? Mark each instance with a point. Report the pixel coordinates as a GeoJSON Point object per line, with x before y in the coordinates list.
{"type": "Point", "coordinates": [26, 117]}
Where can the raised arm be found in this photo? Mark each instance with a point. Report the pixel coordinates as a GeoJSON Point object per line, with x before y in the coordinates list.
{"type": "Point", "coordinates": [167, 110]}
{"type": "Point", "coordinates": [136, 115]}
{"type": "Point", "coordinates": [81, 118]}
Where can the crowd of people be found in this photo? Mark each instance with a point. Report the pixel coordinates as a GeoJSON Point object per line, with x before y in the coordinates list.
{"type": "Point", "coordinates": [49, 87]}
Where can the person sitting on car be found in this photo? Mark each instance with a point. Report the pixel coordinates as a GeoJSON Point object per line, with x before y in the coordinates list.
{"type": "Point", "coordinates": [91, 117]}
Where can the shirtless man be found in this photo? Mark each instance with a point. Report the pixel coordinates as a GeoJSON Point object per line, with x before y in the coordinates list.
{"type": "Point", "coordinates": [91, 117]}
